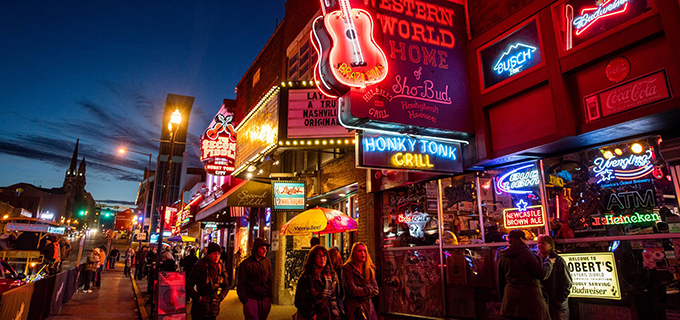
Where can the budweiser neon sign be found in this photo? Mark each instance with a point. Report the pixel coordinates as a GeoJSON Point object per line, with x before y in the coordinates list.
{"type": "Point", "coordinates": [604, 8]}
{"type": "Point", "coordinates": [608, 169]}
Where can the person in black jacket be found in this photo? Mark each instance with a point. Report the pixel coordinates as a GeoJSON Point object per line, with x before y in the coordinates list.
{"type": "Point", "coordinates": [208, 285]}
{"type": "Point", "coordinates": [255, 282]}
{"type": "Point", "coordinates": [519, 274]}
{"type": "Point", "coordinates": [558, 284]}
{"type": "Point", "coordinates": [189, 261]}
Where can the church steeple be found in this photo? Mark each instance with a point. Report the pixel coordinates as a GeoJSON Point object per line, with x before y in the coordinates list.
{"type": "Point", "coordinates": [74, 161]}
{"type": "Point", "coordinates": [81, 169]}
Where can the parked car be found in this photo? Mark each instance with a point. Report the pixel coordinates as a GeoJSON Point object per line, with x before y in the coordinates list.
{"type": "Point", "coordinates": [9, 278]}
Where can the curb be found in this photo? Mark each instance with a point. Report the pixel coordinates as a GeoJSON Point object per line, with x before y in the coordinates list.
{"type": "Point", "coordinates": [140, 301]}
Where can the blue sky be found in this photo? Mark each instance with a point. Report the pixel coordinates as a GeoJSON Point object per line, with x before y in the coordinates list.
{"type": "Point", "coordinates": [100, 71]}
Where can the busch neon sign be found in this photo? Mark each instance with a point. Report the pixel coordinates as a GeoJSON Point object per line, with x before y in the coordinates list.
{"type": "Point", "coordinates": [516, 180]}
{"type": "Point", "coordinates": [608, 169]}
{"type": "Point", "coordinates": [512, 60]}
{"type": "Point", "coordinates": [604, 8]}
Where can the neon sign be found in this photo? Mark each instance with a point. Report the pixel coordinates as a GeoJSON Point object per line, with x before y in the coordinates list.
{"type": "Point", "coordinates": [588, 16]}
{"type": "Point", "coordinates": [514, 181]}
{"type": "Point", "coordinates": [631, 199]}
{"type": "Point", "coordinates": [406, 153]}
{"type": "Point", "coordinates": [512, 60]}
{"type": "Point", "coordinates": [608, 169]}
{"type": "Point", "coordinates": [218, 144]}
{"type": "Point", "coordinates": [416, 223]}
{"type": "Point", "coordinates": [524, 216]}
{"type": "Point", "coordinates": [637, 218]}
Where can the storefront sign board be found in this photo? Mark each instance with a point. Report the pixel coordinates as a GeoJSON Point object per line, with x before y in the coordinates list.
{"type": "Point", "coordinates": [401, 152]}
{"type": "Point", "coordinates": [524, 217]}
{"type": "Point", "coordinates": [511, 55]}
{"type": "Point", "coordinates": [289, 195]}
{"type": "Point", "coordinates": [251, 194]}
{"type": "Point", "coordinates": [630, 95]}
{"type": "Point", "coordinates": [593, 275]}
{"type": "Point", "coordinates": [427, 83]}
{"type": "Point", "coordinates": [218, 144]}
{"type": "Point", "coordinates": [311, 114]}
{"type": "Point", "coordinates": [259, 131]}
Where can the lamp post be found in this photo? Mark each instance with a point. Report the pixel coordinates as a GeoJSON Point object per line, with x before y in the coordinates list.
{"type": "Point", "coordinates": [146, 194]}
{"type": "Point", "coordinates": [173, 125]}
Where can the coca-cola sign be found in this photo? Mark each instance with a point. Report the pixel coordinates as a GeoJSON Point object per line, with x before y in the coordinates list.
{"type": "Point", "coordinates": [632, 94]}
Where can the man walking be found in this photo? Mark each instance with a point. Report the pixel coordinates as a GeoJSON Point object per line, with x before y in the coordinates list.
{"type": "Point", "coordinates": [255, 282]}
{"type": "Point", "coordinates": [113, 257]}
{"type": "Point", "coordinates": [208, 285]}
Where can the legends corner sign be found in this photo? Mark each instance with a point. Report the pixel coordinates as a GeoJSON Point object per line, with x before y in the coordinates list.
{"type": "Point", "coordinates": [405, 153]}
{"type": "Point", "coordinates": [593, 275]}
{"type": "Point", "coordinates": [288, 195]}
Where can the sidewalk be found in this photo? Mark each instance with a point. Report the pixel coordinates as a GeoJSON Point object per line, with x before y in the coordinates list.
{"type": "Point", "coordinates": [231, 308]}
{"type": "Point", "coordinates": [114, 300]}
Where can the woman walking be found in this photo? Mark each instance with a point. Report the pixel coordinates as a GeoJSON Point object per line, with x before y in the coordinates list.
{"type": "Point", "coordinates": [558, 284]}
{"type": "Point", "coordinates": [317, 291]}
{"type": "Point", "coordinates": [336, 264]}
{"type": "Point", "coordinates": [360, 284]}
{"type": "Point", "coordinates": [129, 257]}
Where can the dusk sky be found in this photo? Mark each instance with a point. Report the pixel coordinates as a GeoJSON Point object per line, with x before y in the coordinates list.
{"type": "Point", "coordinates": [100, 71]}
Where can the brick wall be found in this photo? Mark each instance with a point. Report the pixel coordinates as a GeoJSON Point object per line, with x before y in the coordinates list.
{"type": "Point", "coordinates": [485, 14]}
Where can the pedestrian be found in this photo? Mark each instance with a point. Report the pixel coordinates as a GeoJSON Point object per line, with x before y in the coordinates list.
{"type": "Point", "coordinates": [254, 286]}
{"type": "Point", "coordinates": [189, 261]}
{"type": "Point", "coordinates": [360, 284]}
{"type": "Point", "coordinates": [558, 284]}
{"type": "Point", "coordinates": [224, 256]}
{"type": "Point", "coordinates": [91, 267]}
{"type": "Point", "coordinates": [314, 241]}
{"type": "Point", "coordinates": [204, 251]}
{"type": "Point", "coordinates": [519, 274]}
{"type": "Point", "coordinates": [100, 266]}
{"type": "Point", "coordinates": [335, 260]}
{"type": "Point", "coordinates": [113, 257]}
{"type": "Point", "coordinates": [238, 257]}
{"type": "Point", "coordinates": [139, 263]}
{"type": "Point", "coordinates": [129, 260]}
{"type": "Point", "coordinates": [168, 262]}
{"type": "Point", "coordinates": [317, 290]}
{"type": "Point", "coordinates": [208, 285]}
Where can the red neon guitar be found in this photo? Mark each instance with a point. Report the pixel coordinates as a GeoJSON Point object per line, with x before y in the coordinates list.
{"type": "Point", "coordinates": [348, 54]}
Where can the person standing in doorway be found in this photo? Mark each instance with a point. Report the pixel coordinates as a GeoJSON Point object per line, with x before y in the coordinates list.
{"type": "Point", "coordinates": [208, 285]}
{"type": "Point", "coordinates": [519, 274]}
{"type": "Point", "coordinates": [558, 284]}
{"type": "Point", "coordinates": [360, 284]}
{"type": "Point", "coordinates": [255, 282]}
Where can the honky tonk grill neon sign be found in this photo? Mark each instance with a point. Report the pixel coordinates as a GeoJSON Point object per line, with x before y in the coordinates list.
{"type": "Point", "coordinates": [512, 60]}
{"type": "Point", "coordinates": [410, 153]}
{"type": "Point", "coordinates": [604, 8]}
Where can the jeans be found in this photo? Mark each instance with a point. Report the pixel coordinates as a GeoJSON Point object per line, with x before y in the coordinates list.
{"type": "Point", "coordinates": [98, 276]}
{"type": "Point", "coordinates": [89, 277]}
{"type": "Point", "coordinates": [112, 263]}
{"type": "Point", "coordinates": [257, 309]}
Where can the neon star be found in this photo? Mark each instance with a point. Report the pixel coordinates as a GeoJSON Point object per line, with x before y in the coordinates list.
{"type": "Point", "coordinates": [522, 205]}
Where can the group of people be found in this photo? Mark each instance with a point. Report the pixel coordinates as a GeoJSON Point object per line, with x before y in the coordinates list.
{"type": "Point", "coordinates": [94, 266]}
{"type": "Point", "coordinates": [533, 286]}
{"type": "Point", "coordinates": [54, 250]}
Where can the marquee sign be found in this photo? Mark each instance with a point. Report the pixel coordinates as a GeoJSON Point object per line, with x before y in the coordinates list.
{"type": "Point", "coordinates": [593, 275]}
{"type": "Point", "coordinates": [585, 19]}
{"type": "Point", "coordinates": [405, 153]}
{"type": "Point", "coordinates": [418, 74]}
{"type": "Point", "coordinates": [524, 216]}
{"type": "Point", "coordinates": [311, 114]}
{"type": "Point", "coordinates": [289, 195]}
{"type": "Point", "coordinates": [218, 144]}
{"type": "Point", "coordinates": [511, 55]}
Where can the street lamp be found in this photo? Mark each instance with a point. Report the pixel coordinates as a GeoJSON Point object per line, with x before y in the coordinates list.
{"type": "Point", "coordinates": [173, 125]}
{"type": "Point", "coordinates": [146, 194]}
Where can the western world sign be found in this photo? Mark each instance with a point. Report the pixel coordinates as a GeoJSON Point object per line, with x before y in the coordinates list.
{"type": "Point", "coordinates": [400, 152]}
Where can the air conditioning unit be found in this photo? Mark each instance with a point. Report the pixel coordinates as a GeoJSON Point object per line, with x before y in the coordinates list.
{"type": "Point", "coordinates": [670, 151]}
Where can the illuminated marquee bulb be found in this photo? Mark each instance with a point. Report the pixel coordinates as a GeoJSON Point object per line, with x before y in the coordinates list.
{"type": "Point", "coordinates": [636, 148]}
{"type": "Point", "coordinates": [608, 154]}
{"type": "Point", "coordinates": [618, 151]}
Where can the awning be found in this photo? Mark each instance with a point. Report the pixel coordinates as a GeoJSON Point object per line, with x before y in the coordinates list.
{"type": "Point", "coordinates": [245, 194]}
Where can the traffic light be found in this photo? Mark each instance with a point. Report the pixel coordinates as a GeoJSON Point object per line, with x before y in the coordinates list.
{"type": "Point", "coordinates": [82, 213]}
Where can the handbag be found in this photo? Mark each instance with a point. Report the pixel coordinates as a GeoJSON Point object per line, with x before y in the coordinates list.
{"type": "Point", "coordinates": [360, 313]}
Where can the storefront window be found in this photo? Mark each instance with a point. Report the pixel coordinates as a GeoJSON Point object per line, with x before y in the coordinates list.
{"type": "Point", "coordinates": [410, 215]}
{"type": "Point", "coordinates": [460, 219]}
{"type": "Point", "coordinates": [622, 189]}
{"type": "Point", "coordinates": [511, 199]}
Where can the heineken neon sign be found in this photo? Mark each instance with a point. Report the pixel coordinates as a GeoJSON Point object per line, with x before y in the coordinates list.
{"type": "Point", "coordinates": [636, 218]}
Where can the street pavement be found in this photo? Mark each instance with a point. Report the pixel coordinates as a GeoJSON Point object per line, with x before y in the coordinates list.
{"type": "Point", "coordinates": [114, 300]}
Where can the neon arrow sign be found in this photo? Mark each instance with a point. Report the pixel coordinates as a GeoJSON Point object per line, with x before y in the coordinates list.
{"type": "Point", "coordinates": [605, 8]}
{"type": "Point", "coordinates": [521, 54]}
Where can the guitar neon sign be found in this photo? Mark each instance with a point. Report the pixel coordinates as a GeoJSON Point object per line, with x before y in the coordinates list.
{"type": "Point", "coordinates": [512, 60]}
{"type": "Point", "coordinates": [608, 169]}
{"type": "Point", "coordinates": [605, 8]}
{"type": "Point", "coordinates": [514, 180]}
{"type": "Point", "coordinates": [349, 57]}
